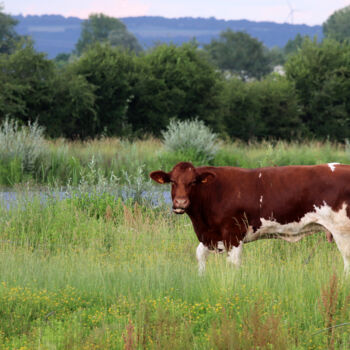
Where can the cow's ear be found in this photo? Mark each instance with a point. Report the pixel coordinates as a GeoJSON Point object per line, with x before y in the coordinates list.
{"type": "Point", "coordinates": [160, 176]}
{"type": "Point", "coordinates": [206, 177]}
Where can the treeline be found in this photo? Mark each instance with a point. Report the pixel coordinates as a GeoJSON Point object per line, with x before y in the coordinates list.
{"type": "Point", "coordinates": [110, 90]}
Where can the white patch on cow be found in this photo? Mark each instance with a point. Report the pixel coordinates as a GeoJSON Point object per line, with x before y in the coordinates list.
{"type": "Point", "coordinates": [259, 175]}
{"type": "Point", "coordinates": [261, 200]}
{"type": "Point", "coordinates": [323, 217]}
{"type": "Point", "coordinates": [202, 253]}
{"type": "Point", "coordinates": [235, 255]}
{"type": "Point", "coordinates": [332, 166]}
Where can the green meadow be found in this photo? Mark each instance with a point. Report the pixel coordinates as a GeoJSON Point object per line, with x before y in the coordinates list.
{"type": "Point", "coordinates": [91, 271]}
{"type": "Point", "coordinates": [125, 277]}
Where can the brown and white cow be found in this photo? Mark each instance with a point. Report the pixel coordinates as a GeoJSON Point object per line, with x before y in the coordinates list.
{"type": "Point", "coordinates": [230, 206]}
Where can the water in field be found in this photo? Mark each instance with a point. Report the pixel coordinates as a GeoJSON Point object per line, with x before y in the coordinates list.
{"type": "Point", "coordinates": [9, 198]}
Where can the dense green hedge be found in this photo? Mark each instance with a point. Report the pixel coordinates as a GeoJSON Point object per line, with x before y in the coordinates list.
{"type": "Point", "coordinates": [110, 92]}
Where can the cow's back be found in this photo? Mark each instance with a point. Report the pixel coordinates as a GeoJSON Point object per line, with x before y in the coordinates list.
{"type": "Point", "coordinates": [284, 194]}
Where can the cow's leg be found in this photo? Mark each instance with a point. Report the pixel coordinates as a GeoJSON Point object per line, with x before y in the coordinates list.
{"type": "Point", "coordinates": [343, 243]}
{"type": "Point", "coordinates": [202, 253]}
{"type": "Point", "coordinates": [235, 255]}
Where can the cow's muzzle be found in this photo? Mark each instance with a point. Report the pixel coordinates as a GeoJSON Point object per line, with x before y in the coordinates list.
{"type": "Point", "coordinates": [180, 205]}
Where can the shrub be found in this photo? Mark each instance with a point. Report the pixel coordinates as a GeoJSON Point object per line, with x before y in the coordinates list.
{"type": "Point", "coordinates": [261, 109]}
{"type": "Point", "coordinates": [25, 144]}
{"type": "Point", "coordinates": [192, 138]}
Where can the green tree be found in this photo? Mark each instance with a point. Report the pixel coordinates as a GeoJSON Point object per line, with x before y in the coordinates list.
{"type": "Point", "coordinates": [124, 39]}
{"type": "Point", "coordinates": [33, 88]}
{"type": "Point", "coordinates": [240, 54]}
{"type": "Point", "coordinates": [27, 76]}
{"type": "Point", "coordinates": [240, 111]}
{"type": "Point", "coordinates": [99, 28]}
{"type": "Point", "coordinates": [337, 25]}
{"type": "Point", "coordinates": [261, 109]}
{"type": "Point", "coordinates": [73, 113]}
{"type": "Point", "coordinates": [321, 75]}
{"type": "Point", "coordinates": [173, 81]}
{"type": "Point", "coordinates": [275, 56]}
{"type": "Point", "coordinates": [8, 36]}
{"type": "Point", "coordinates": [109, 70]}
{"type": "Point", "coordinates": [293, 45]}
{"type": "Point", "coordinates": [278, 108]}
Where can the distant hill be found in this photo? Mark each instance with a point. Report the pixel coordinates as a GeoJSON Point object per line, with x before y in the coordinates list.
{"type": "Point", "coordinates": [56, 34]}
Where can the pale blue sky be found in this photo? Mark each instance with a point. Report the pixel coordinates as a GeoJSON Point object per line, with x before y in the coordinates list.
{"type": "Point", "coordinates": [297, 11]}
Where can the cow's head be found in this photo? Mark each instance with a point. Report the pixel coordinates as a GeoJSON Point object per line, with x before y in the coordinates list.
{"type": "Point", "coordinates": [184, 178]}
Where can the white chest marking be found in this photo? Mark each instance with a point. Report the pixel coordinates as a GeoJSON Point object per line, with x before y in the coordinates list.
{"type": "Point", "coordinates": [259, 175]}
{"type": "Point", "coordinates": [332, 166]}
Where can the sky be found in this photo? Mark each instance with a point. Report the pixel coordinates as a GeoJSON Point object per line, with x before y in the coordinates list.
{"type": "Point", "coordinates": [309, 12]}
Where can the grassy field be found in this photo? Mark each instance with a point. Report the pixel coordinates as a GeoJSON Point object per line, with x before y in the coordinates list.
{"type": "Point", "coordinates": [94, 272]}
{"type": "Point", "coordinates": [125, 277]}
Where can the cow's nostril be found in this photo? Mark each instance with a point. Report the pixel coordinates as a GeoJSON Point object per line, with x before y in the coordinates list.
{"type": "Point", "coordinates": [181, 202]}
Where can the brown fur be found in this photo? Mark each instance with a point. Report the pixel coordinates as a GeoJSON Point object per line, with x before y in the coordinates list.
{"type": "Point", "coordinates": [222, 202]}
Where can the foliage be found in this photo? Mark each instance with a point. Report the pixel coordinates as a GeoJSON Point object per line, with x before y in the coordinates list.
{"type": "Point", "coordinates": [261, 109]}
{"type": "Point", "coordinates": [62, 59]}
{"type": "Point", "coordinates": [8, 36]}
{"type": "Point", "coordinates": [240, 111]}
{"type": "Point", "coordinates": [173, 82]}
{"type": "Point", "coordinates": [20, 149]}
{"type": "Point", "coordinates": [99, 28]}
{"type": "Point", "coordinates": [320, 73]}
{"type": "Point", "coordinates": [192, 138]}
{"type": "Point", "coordinates": [97, 193]}
{"type": "Point", "coordinates": [110, 92]}
{"type": "Point", "coordinates": [27, 76]}
{"type": "Point", "coordinates": [337, 25]}
{"type": "Point", "coordinates": [294, 45]}
{"type": "Point", "coordinates": [124, 40]}
{"type": "Point", "coordinates": [108, 71]}
{"type": "Point", "coordinates": [276, 56]}
{"type": "Point", "coordinates": [73, 111]}
{"type": "Point", "coordinates": [240, 54]}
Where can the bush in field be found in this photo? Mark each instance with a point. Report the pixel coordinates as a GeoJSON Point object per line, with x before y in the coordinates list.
{"type": "Point", "coordinates": [191, 137]}
{"type": "Point", "coordinates": [25, 144]}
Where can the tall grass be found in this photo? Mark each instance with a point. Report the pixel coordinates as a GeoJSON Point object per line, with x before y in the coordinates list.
{"type": "Point", "coordinates": [127, 279]}
{"type": "Point", "coordinates": [62, 161]}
